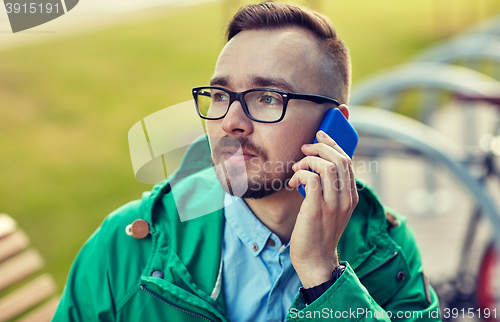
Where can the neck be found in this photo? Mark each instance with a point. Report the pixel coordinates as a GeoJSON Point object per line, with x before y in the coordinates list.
{"type": "Point", "coordinates": [278, 212]}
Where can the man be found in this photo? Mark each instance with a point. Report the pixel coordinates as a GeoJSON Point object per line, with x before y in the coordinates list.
{"type": "Point", "coordinates": [247, 260]}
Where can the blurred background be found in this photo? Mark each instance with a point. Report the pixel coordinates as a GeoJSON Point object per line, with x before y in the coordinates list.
{"type": "Point", "coordinates": [71, 89]}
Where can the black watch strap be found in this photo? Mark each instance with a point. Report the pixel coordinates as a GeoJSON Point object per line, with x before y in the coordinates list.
{"type": "Point", "coordinates": [311, 294]}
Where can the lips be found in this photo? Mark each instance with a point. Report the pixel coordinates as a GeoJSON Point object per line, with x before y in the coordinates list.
{"type": "Point", "coordinates": [236, 150]}
{"type": "Point", "coordinates": [236, 155]}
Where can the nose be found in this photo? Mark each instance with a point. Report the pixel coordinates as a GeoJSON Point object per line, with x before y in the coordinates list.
{"type": "Point", "coordinates": [236, 121]}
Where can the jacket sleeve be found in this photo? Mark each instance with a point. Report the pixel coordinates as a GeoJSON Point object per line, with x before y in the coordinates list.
{"type": "Point", "coordinates": [346, 299]}
{"type": "Point", "coordinates": [87, 295]}
{"type": "Point", "coordinates": [349, 300]}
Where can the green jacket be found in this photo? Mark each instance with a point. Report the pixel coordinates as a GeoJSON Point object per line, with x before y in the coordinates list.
{"type": "Point", "coordinates": [112, 277]}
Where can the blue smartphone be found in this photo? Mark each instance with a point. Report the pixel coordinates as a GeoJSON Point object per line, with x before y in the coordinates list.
{"type": "Point", "coordinates": [341, 131]}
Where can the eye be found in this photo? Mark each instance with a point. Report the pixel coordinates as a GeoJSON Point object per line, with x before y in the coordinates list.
{"type": "Point", "coordinates": [270, 98]}
{"type": "Point", "coordinates": [220, 96]}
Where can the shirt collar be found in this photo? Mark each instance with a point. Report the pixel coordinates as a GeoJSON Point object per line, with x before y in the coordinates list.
{"type": "Point", "coordinates": [244, 223]}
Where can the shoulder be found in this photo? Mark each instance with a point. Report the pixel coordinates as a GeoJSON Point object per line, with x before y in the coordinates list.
{"type": "Point", "coordinates": [402, 234]}
{"type": "Point", "coordinates": [112, 236]}
{"type": "Point", "coordinates": [112, 231]}
{"type": "Point", "coordinates": [113, 258]}
{"type": "Point", "coordinates": [115, 223]}
{"type": "Point", "coordinates": [379, 246]}
{"type": "Point", "coordinates": [104, 273]}
{"type": "Point", "coordinates": [382, 223]}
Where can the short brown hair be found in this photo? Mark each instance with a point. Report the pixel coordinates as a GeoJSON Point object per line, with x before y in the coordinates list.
{"type": "Point", "coordinates": [270, 15]}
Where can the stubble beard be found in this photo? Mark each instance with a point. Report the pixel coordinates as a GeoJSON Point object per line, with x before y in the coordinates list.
{"type": "Point", "coordinates": [254, 179]}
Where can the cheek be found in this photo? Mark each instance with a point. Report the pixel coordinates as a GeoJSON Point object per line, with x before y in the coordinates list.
{"type": "Point", "coordinates": [292, 135]}
{"type": "Point", "coordinates": [302, 128]}
{"type": "Point", "coordinates": [213, 128]}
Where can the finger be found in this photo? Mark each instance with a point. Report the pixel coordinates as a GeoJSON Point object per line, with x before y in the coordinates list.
{"type": "Point", "coordinates": [354, 191]}
{"type": "Point", "coordinates": [335, 181]}
{"type": "Point", "coordinates": [326, 169]}
{"type": "Point", "coordinates": [341, 161]}
{"type": "Point", "coordinates": [313, 163]}
{"type": "Point", "coordinates": [322, 137]}
{"type": "Point", "coordinates": [325, 151]}
{"type": "Point", "coordinates": [312, 184]}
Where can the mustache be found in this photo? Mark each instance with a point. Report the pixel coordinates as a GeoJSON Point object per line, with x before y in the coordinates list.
{"type": "Point", "coordinates": [242, 142]}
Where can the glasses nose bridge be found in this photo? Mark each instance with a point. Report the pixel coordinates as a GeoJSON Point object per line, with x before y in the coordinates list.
{"type": "Point", "coordinates": [238, 96]}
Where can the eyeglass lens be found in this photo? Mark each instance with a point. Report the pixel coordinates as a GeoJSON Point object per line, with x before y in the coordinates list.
{"type": "Point", "coordinates": [262, 105]}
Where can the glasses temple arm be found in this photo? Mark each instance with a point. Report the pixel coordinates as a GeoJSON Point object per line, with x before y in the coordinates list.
{"type": "Point", "coordinates": [314, 98]}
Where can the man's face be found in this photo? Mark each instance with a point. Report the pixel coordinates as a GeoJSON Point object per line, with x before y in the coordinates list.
{"type": "Point", "coordinates": [286, 59]}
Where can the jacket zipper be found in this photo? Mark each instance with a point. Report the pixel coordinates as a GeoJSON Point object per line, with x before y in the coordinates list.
{"type": "Point", "coordinates": [163, 300]}
{"type": "Point", "coordinates": [380, 265]}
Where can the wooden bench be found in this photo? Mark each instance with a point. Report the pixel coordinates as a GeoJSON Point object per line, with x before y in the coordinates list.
{"type": "Point", "coordinates": [25, 294]}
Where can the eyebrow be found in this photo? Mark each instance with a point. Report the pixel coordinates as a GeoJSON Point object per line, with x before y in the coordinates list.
{"type": "Point", "coordinates": [219, 81]}
{"type": "Point", "coordinates": [257, 81]}
{"type": "Point", "coordinates": [279, 83]}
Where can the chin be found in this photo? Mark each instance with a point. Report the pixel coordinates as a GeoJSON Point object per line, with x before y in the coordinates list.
{"type": "Point", "coordinates": [232, 179]}
{"type": "Point", "coordinates": [258, 194]}
{"type": "Point", "coordinates": [255, 187]}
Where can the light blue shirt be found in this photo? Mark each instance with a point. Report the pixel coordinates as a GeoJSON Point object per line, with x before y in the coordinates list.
{"type": "Point", "coordinates": [259, 281]}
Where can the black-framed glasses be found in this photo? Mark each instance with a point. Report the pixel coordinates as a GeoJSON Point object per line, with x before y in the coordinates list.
{"type": "Point", "coordinates": [260, 104]}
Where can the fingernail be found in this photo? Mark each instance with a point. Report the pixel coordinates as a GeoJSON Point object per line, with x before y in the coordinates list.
{"type": "Point", "coordinates": [306, 145]}
{"type": "Point", "coordinates": [322, 134]}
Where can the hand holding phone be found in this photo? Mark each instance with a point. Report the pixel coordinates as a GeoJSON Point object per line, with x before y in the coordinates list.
{"type": "Point", "coordinates": [341, 131]}
{"type": "Point", "coordinates": [325, 213]}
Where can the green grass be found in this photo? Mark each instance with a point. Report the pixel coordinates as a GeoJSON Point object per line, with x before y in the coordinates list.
{"type": "Point", "coordinates": [66, 106]}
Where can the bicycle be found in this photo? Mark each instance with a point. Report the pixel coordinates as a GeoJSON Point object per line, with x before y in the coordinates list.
{"type": "Point", "coordinates": [465, 293]}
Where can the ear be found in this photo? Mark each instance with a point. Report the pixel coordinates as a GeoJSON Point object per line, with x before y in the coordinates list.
{"type": "Point", "coordinates": [344, 109]}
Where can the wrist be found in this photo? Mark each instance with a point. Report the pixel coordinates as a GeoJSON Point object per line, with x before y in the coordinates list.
{"type": "Point", "coordinates": [314, 278]}
{"type": "Point", "coordinates": [309, 295]}
{"type": "Point", "coordinates": [316, 275]}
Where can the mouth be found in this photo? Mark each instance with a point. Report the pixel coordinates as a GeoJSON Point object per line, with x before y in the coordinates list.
{"type": "Point", "coordinates": [236, 156]}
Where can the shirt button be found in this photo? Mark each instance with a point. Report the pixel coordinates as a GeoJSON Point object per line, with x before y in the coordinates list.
{"type": "Point", "coordinates": [255, 247]}
{"type": "Point", "coordinates": [400, 276]}
{"type": "Point", "coordinates": [270, 242]}
{"type": "Point", "coordinates": [157, 274]}
{"type": "Point", "coordinates": [138, 229]}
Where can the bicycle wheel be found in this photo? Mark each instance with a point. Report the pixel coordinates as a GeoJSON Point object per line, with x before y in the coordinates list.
{"type": "Point", "coordinates": [488, 284]}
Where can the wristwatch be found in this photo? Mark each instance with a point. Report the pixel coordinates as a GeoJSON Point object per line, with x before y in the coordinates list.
{"type": "Point", "coordinates": [309, 295]}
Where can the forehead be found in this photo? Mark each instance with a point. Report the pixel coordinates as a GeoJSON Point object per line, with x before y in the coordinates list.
{"type": "Point", "coordinates": [290, 55]}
